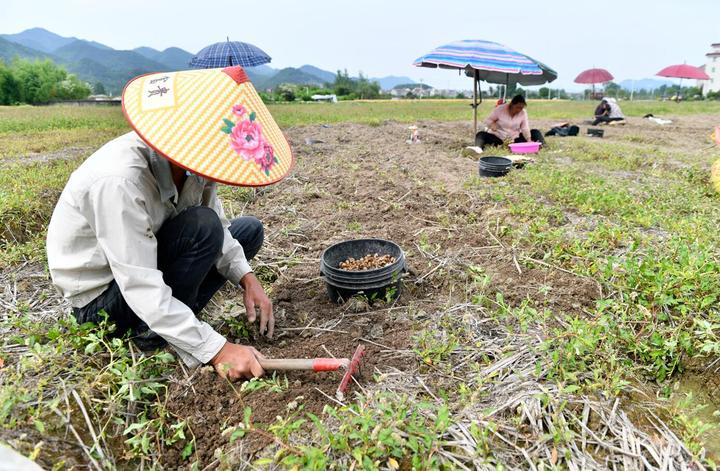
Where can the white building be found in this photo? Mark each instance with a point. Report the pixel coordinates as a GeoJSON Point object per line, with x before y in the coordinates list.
{"type": "Point", "coordinates": [712, 68]}
{"type": "Point", "coordinates": [427, 92]}
{"type": "Point", "coordinates": [327, 98]}
{"type": "Point", "coordinates": [412, 92]}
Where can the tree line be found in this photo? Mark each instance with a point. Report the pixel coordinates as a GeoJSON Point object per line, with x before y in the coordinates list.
{"type": "Point", "coordinates": [344, 87]}
{"type": "Point", "coordinates": [664, 91]}
{"type": "Point", "coordinates": [38, 82]}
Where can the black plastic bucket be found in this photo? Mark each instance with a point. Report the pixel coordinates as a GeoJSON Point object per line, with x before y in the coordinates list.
{"type": "Point", "coordinates": [494, 166]}
{"type": "Point", "coordinates": [379, 283]}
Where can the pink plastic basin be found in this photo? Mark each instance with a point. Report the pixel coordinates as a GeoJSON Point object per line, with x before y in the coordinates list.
{"type": "Point", "coordinates": [525, 147]}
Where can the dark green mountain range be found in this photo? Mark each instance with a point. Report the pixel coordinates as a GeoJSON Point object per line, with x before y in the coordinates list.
{"type": "Point", "coordinates": [95, 62]}
{"type": "Point", "coordinates": [10, 50]}
{"type": "Point", "coordinates": [324, 75]}
{"type": "Point", "coordinates": [110, 58]}
{"type": "Point", "coordinates": [43, 40]}
{"type": "Point", "coordinates": [288, 75]}
{"type": "Point", "coordinates": [110, 67]}
{"type": "Point", "coordinates": [173, 57]}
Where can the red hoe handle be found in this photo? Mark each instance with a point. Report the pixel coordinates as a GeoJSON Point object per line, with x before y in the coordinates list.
{"type": "Point", "coordinates": [319, 364]}
{"type": "Point", "coordinates": [315, 364]}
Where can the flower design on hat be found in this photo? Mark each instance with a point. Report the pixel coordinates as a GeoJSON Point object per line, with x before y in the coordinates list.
{"type": "Point", "coordinates": [247, 140]}
{"type": "Point", "coordinates": [239, 110]}
{"type": "Point", "coordinates": [268, 159]}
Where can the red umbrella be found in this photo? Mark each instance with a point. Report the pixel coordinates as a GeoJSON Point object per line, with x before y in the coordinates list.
{"type": "Point", "coordinates": [594, 76]}
{"type": "Point", "coordinates": [682, 71]}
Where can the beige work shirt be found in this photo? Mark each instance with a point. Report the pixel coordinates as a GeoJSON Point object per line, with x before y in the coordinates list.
{"type": "Point", "coordinates": [104, 227]}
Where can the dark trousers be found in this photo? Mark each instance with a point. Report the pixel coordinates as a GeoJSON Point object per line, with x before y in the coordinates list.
{"type": "Point", "coordinates": [188, 246]}
{"type": "Point", "coordinates": [483, 138]}
{"type": "Point", "coordinates": [605, 119]}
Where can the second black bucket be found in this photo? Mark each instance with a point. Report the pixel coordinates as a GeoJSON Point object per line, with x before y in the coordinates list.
{"type": "Point", "coordinates": [379, 283]}
{"type": "Point", "coordinates": [494, 166]}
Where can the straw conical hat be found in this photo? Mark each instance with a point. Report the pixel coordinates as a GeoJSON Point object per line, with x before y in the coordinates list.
{"type": "Point", "coordinates": [211, 122]}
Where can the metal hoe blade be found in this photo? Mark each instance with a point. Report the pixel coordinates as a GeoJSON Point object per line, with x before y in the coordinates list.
{"type": "Point", "coordinates": [351, 370]}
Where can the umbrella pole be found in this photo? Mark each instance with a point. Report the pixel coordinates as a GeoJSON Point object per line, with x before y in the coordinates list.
{"type": "Point", "coordinates": [677, 98]}
{"type": "Point", "coordinates": [507, 82]}
{"type": "Point", "coordinates": [475, 103]}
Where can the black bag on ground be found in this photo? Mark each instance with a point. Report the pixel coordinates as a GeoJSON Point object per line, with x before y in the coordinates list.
{"type": "Point", "coordinates": [563, 131]}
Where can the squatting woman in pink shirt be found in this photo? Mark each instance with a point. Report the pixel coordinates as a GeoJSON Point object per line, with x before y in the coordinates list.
{"type": "Point", "coordinates": [508, 123]}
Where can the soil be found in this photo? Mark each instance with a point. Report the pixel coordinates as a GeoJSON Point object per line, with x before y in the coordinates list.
{"type": "Point", "coordinates": [357, 181]}
{"type": "Point", "coordinates": [363, 181]}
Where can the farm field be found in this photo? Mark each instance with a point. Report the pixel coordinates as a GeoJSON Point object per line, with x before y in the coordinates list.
{"type": "Point", "coordinates": [563, 317]}
{"type": "Point", "coordinates": [29, 129]}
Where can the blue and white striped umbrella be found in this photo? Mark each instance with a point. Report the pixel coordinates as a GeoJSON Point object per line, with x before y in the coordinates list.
{"type": "Point", "coordinates": [493, 62]}
{"type": "Point", "coordinates": [487, 61]}
{"type": "Point", "coordinates": [227, 54]}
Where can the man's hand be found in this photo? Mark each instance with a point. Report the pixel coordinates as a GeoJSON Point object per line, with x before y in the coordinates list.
{"type": "Point", "coordinates": [254, 296]}
{"type": "Point", "coordinates": [237, 361]}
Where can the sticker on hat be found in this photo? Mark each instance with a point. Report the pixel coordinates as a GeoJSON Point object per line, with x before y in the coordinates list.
{"type": "Point", "coordinates": [211, 122]}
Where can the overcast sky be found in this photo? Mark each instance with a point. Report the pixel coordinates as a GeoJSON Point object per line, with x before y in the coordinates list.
{"type": "Point", "coordinates": [631, 38]}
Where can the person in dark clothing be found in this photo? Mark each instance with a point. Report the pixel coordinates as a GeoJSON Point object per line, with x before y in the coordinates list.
{"type": "Point", "coordinates": [609, 111]}
{"type": "Point", "coordinates": [602, 109]}
{"type": "Point", "coordinates": [139, 235]}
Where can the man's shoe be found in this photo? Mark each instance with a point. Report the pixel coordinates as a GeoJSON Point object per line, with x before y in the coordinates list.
{"type": "Point", "coordinates": [147, 340]}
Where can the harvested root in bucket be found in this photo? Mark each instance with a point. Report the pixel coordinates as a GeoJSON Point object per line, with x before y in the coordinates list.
{"type": "Point", "coordinates": [368, 262]}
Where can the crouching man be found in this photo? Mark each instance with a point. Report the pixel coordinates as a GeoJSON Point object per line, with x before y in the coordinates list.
{"type": "Point", "coordinates": [139, 231]}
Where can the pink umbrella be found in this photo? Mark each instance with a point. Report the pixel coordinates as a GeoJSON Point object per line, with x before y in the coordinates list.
{"type": "Point", "coordinates": [682, 71]}
{"type": "Point", "coordinates": [594, 76]}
